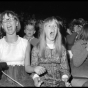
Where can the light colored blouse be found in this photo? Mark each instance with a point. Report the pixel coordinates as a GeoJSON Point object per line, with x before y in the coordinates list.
{"type": "Point", "coordinates": [13, 53]}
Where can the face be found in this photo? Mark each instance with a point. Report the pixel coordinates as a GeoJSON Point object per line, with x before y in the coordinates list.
{"type": "Point", "coordinates": [50, 30]}
{"type": "Point", "coordinates": [9, 24]}
{"type": "Point", "coordinates": [77, 28]}
{"type": "Point", "coordinates": [29, 30]}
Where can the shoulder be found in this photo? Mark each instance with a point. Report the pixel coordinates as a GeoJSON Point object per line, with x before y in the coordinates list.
{"type": "Point", "coordinates": [2, 41]}
{"type": "Point", "coordinates": [23, 40]}
{"type": "Point", "coordinates": [79, 44]}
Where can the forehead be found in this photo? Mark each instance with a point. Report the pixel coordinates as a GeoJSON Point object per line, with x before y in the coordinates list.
{"type": "Point", "coordinates": [29, 26]}
{"type": "Point", "coordinates": [53, 22]}
{"type": "Point", "coordinates": [8, 16]}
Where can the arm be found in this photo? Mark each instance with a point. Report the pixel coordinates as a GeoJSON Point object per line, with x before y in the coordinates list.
{"type": "Point", "coordinates": [79, 54]}
{"type": "Point", "coordinates": [33, 67]}
{"type": "Point", "coordinates": [64, 63]}
{"type": "Point", "coordinates": [28, 67]}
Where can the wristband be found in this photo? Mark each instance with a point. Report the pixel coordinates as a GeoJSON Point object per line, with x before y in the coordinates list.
{"type": "Point", "coordinates": [35, 75]}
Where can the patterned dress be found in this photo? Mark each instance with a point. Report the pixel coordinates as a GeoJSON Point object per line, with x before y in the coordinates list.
{"type": "Point", "coordinates": [55, 66]}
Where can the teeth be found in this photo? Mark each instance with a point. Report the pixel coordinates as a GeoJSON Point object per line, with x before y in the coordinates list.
{"type": "Point", "coordinates": [9, 27]}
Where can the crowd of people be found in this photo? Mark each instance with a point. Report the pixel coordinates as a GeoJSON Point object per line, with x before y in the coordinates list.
{"type": "Point", "coordinates": [44, 60]}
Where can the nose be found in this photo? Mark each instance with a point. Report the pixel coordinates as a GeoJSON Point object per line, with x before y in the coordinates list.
{"type": "Point", "coordinates": [8, 24]}
{"type": "Point", "coordinates": [52, 28]}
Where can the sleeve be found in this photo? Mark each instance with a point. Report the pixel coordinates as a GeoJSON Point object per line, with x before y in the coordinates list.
{"type": "Point", "coordinates": [64, 63]}
{"type": "Point", "coordinates": [79, 53]}
{"type": "Point", "coordinates": [71, 38]}
{"type": "Point", "coordinates": [34, 56]}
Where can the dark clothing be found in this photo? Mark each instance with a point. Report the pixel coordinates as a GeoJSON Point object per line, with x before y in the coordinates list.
{"type": "Point", "coordinates": [79, 62]}
{"type": "Point", "coordinates": [70, 39]}
{"type": "Point", "coordinates": [17, 73]}
{"type": "Point", "coordinates": [34, 41]}
{"type": "Point", "coordinates": [3, 66]}
{"type": "Point", "coordinates": [79, 53]}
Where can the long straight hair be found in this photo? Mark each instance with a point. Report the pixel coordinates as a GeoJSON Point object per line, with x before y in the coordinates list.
{"type": "Point", "coordinates": [42, 38]}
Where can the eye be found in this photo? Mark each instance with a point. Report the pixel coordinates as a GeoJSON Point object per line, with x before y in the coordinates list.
{"type": "Point", "coordinates": [49, 26]}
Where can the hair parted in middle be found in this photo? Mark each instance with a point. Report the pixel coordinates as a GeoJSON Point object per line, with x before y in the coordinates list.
{"type": "Point", "coordinates": [42, 37]}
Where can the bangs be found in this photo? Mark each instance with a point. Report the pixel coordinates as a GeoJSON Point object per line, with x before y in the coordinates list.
{"type": "Point", "coordinates": [9, 14]}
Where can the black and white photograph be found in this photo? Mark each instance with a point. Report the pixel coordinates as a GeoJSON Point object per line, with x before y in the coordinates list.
{"type": "Point", "coordinates": [44, 43]}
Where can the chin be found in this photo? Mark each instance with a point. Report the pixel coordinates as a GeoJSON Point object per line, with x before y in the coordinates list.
{"type": "Point", "coordinates": [52, 39]}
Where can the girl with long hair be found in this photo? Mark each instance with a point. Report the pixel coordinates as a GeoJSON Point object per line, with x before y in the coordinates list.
{"type": "Point", "coordinates": [49, 63]}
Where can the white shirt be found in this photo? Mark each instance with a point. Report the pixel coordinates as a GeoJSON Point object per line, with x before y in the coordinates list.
{"type": "Point", "coordinates": [51, 46]}
{"type": "Point", "coordinates": [13, 53]}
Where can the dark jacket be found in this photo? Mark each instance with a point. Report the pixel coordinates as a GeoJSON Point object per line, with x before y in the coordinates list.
{"type": "Point", "coordinates": [70, 39]}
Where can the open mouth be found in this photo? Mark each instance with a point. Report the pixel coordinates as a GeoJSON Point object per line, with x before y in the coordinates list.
{"type": "Point", "coordinates": [29, 33]}
{"type": "Point", "coordinates": [52, 34]}
{"type": "Point", "coordinates": [9, 27]}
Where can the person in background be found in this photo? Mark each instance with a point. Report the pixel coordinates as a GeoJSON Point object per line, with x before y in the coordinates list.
{"type": "Point", "coordinates": [80, 56]}
{"type": "Point", "coordinates": [49, 64]}
{"type": "Point", "coordinates": [13, 50]}
{"type": "Point", "coordinates": [30, 31]}
{"type": "Point", "coordinates": [73, 30]}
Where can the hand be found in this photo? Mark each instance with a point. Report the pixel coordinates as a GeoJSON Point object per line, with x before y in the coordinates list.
{"type": "Point", "coordinates": [65, 78]}
{"type": "Point", "coordinates": [40, 70]}
{"type": "Point", "coordinates": [37, 82]}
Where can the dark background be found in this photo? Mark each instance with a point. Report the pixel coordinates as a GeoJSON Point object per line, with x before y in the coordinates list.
{"type": "Point", "coordinates": [42, 9]}
{"type": "Point", "coordinates": [68, 9]}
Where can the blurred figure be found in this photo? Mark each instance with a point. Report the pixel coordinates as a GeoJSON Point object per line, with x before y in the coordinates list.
{"type": "Point", "coordinates": [73, 30]}
{"type": "Point", "coordinates": [79, 63]}
{"type": "Point", "coordinates": [30, 31]}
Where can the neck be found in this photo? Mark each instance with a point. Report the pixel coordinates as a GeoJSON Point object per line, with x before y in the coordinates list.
{"type": "Point", "coordinates": [29, 37]}
{"type": "Point", "coordinates": [49, 41]}
{"type": "Point", "coordinates": [11, 38]}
